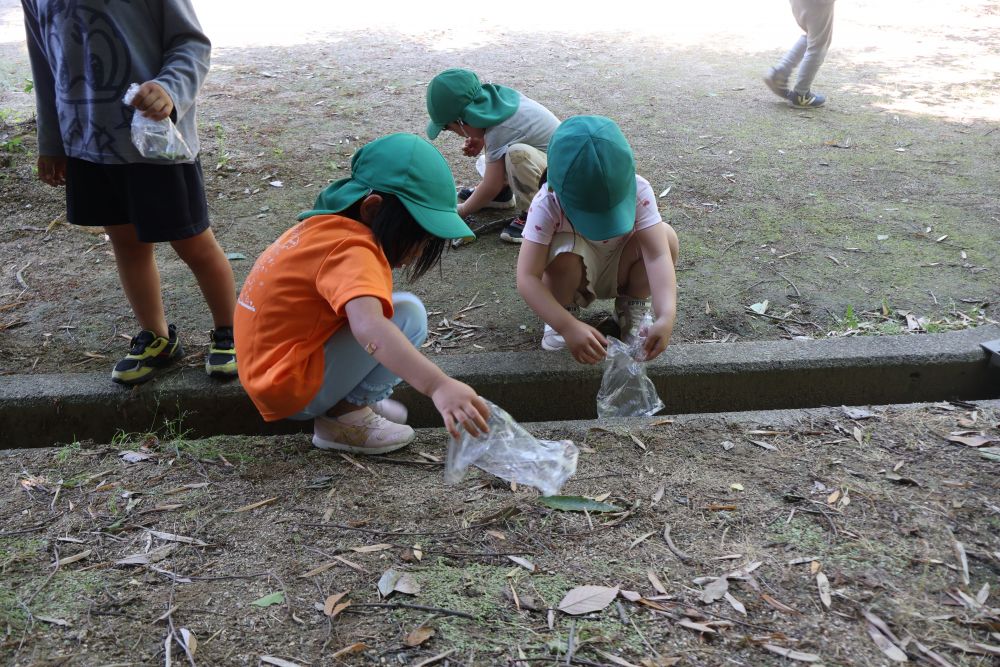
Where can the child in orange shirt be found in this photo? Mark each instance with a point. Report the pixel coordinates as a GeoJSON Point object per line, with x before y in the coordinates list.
{"type": "Point", "coordinates": [319, 332]}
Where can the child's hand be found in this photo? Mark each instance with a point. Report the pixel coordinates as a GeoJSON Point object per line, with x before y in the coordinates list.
{"type": "Point", "coordinates": [52, 169]}
{"type": "Point", "coordinates": [657, 338]}
{"type": "Point", "coordinates": [473, 145]}
{"type": "Point", "coordinates": [460, 405]}
{"type": "Point", "coordinates": [586, 344]}
{"type": "Point", "coordinates": [153, 101]}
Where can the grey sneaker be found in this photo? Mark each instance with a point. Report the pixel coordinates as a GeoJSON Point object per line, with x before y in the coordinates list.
{"type": "Point", "coordinates": [504, 198]}
{"type": "Point", "coordinates": [777, 82]}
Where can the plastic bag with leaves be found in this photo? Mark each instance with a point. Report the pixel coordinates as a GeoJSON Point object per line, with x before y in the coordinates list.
{"type": "Point", "coordinates": [510, 452]}
{"type": "Point", "coordinates": [626, 390]}
{"type": "Point", "coordinates": [156, 139]}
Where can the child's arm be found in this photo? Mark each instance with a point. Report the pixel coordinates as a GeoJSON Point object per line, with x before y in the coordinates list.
{"type": "Point", "coordinates": [586, 343]}
{"type": "Point", "coordinates": [51, 153]}
{"type": "Point", "coordinates": [186, 55]}
{"type": "Point", "coordinates": [493, 180]}
{"type": "Point", "coordinates": [663, 285]}
{"type": "Point", "coordinates": [457, 402]}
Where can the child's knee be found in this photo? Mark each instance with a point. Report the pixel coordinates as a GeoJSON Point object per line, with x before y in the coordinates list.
{"type": "Point", "coordinates": [674, 243]}
{"type": "Point", "coordinates": [410, 316]}
{"type": "Point", "coordinates": [565, 264]}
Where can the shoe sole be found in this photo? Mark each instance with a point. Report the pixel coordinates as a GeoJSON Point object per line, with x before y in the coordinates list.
{"type": "Point", "coordinates": [553, 348]}
{"type": "Point", "coordinates": [334, 446]}
{"type": "Point", "coordinates": [504, 236]}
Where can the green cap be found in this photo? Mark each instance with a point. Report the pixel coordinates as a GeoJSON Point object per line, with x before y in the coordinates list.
{"type": "Point", "coordinates": [592, 171]}
{"type": "Point", "coordinates": [457, 94]}
{"type": "Point", "coordinates": [410, 168]}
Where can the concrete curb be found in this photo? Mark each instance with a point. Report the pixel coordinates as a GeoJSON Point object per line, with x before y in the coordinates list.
{"type": "Point", "coordinates": [42, 410]}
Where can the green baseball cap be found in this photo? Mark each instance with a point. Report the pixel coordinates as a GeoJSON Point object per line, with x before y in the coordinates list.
{"type": "Point", "coordinates": [592, 171]}
{"type": "Point", "coordinates": [410, 168]}
{"type": "Point", "coordinates": [457, 94]}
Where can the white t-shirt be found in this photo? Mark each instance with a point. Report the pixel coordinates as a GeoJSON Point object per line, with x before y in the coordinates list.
{"type": "Point", "coordinates": [531, 124]}
{"type": "Point", "coordinates": [546, 217]}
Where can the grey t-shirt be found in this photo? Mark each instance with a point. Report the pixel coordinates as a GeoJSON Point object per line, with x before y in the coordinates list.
{"type": "Point", "coordinates": [85, 53]}
{"type": "Point", "coordinates": [531, 124]}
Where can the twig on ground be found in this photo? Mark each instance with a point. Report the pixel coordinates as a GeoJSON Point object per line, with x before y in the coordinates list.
{"type": "Point", "coordinates": [786, 319]}
{"type": "Point", "coordinates": [19, 276]}
{"type": "Point", "coordinates": [683, 557]}
{"type": "Point", "coordinates": [797, 292]}
{"type": "Point", "coordinates": [571, 644]}
{"type": "Point", "coordinates": [403, 605]}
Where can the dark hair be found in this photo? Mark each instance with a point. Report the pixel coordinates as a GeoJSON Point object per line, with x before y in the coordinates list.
{"type": "Point", "coordinates": [543, 179]}
{"type": "Point", "coordinates": [399, 234]}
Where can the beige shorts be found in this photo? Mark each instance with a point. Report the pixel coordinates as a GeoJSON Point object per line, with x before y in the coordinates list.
{"type": "Point", "coordinates": [600, 265]}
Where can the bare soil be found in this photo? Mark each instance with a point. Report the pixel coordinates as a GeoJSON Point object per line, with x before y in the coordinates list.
{"type": "Point", "coordinates": [844, 219]}
{"type": "Point", "coordinates": [880, 505]}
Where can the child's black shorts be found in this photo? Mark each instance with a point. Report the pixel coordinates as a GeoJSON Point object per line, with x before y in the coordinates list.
{"type": "Point", "coordinates": [165, 202]}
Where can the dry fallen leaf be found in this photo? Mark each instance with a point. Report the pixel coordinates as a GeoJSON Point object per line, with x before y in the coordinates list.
{"type": "Point", "coordinates": [278, 662]}
{"type": "Point", "coordinates": [253, 506]}
{"type": "Point", "coordinates": [715, 590]}
{"type": "Point", "coordinates": [697, 627]}
{"type": "Point", "coordinates": [655, 581]}
{"type": "Point", "coordinates": [349, 650]}
{"type": "Point", "coordinates": [587, 599]}
{"type": "Point", "coordinates": [74, 558]}
{"type": "Point", "coordinates": [735, 604]}
{"type": "Point", "coordinates": [153, 556]}
{"type": "Point", "coordinates": [523, 562]}
{"type": "Point", "coordinates": [778, 604]}
{"type": "Point", "coordinates": [792, 654]}
{"type": "Point", "coordinates": [170, 537]}
{"type": "Point", "coordinates": [418, 636]}
{"type": "Point", "coordinates": [614, 659]}
{"type": "Point", "coordinates": [890, 650]}
{"type": "Point", "coordinates": [823, 584]}
{"type": "Point", "coordinates": [371, 548]}
{"type": "Point", "coordinates": [407, 585]}
{"type": "Point", "coordinates": [331, 602]}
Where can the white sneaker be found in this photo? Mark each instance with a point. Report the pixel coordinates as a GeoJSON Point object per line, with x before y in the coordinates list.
{"type": "Point", "coordinates": [629, 314]}
{"type": "Point", "coordinates": [392, 410]}
{"type": "Point", "coordinates": [552, 340]}
{"type": "Point", "coordinates": [361, 432]}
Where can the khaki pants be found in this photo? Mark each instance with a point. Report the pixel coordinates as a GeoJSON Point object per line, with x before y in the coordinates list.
{"type": "Point", "coordinates": [525, 165]}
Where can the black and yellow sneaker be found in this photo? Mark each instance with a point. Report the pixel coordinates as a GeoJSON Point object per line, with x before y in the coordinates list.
{"type": "Point", "coordinates": [148, 354]}
{"type": "Point", "coordinates": [221, 359]}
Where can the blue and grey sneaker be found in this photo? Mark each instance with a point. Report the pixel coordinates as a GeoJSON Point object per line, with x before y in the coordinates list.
{"type": "Point", "coordinates": [504, 198]}
{"type": "Point", "coordinates": [808, 100]}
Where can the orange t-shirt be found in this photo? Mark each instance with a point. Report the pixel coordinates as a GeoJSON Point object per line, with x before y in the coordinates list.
{"type": "Point", "coordinates": [293, 301]}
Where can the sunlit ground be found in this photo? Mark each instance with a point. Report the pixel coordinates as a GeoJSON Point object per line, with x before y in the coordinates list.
{"type": "Point", "coordinates": [935, 57]}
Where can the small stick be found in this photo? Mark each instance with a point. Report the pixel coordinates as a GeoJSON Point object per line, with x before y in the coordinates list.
{"type": "Point", "coordinates": [683, 557]}
{"type": "Point", "coordinates": [797, 293]}
{"type": "Point", "coordinates": [571, 645]}
{"type": "Point", "coordinates": [19, 276]}
{"type": "Point", "coordinates": [418, 607]}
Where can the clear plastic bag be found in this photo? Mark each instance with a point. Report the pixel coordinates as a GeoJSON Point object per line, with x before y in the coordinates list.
{"type": "Point", "coordinates": [510, 452]}
{"type": "Point", "coordinates": [156, 139]}
{"type": "Point", "coordinates": [626, 390]}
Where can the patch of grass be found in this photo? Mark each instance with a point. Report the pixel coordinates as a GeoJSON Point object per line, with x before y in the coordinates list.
{"type": "Point", "coordinates": [64, 454]}
{"type": "Point", "coordinates": [480, 590]}
{"type": "Point", "coordinates": [16, 550]}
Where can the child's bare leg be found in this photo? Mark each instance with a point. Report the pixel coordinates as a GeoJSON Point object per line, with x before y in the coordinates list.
{"type": "Point", "coordinates": [632, 279]}
{"type": "Point", "coordinates": [211, 269]}
{"type": "Point", "coordinates": [139, 277]}
{"type": "Point", "coordinates": [563, 276]}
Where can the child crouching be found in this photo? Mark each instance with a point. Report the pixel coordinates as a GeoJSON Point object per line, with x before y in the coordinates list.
{"type": "Point", "coordinates": [324, 335]}
{"type": "Point", "coordinates": [593, 232]}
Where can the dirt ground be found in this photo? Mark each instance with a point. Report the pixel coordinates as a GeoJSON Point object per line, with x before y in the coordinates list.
{"type": "Point", "coordinates": [901, 524]}
{"type": "Point", "coordinates": [842, 219]}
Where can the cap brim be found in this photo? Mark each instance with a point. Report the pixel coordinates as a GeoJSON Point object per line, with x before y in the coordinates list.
{"type": "Point", "coordinates": [604, 225]}
{"type": "Point", "coordinates": [442, 224]}
{"type": "Point", "coordinates": [434, 129]}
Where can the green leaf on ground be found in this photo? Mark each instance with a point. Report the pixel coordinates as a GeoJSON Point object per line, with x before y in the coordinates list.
{"type": "Point", "coordinates": [268, 600]}
{"type": "Point", "coordinates": [235, 255]}
{"type": "Point", "coordinates": [577, 504]}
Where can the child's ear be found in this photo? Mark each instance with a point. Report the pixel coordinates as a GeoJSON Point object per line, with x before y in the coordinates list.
{"type": "Point", "coordinates": [370, 207]}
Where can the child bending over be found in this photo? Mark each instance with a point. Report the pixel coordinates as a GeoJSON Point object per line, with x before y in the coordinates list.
{"type": "Point", "coordinates": [514, 131]}
{"type": "Point", "coordinates": [320, 333]}
{"type": "Point", "coordinates": [593, 232]}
